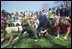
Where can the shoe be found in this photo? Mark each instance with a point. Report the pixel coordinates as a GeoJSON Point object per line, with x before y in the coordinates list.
{"type": "Point", "coordinates": [35, 40]}
{"type": "Point", "coordinates": [64, 37]}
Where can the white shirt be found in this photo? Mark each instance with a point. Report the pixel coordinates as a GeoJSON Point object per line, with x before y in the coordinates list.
{"type": "Point", "coordinates": [20, 28]}
{"type": "Point", "coordinates": [36, 26]}
{"type": "Point", "coordinates": [37, 21]}
{"type": "Point", "coordinates": [17, 21]}
{"type": "Point", "coordinates": [34, 16]}
{"type": "Point", "coordinates": [46, 13]}
{"type": "Point", "coordinates": [20, 18]}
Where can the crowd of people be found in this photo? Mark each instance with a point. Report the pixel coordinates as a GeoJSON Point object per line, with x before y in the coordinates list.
{"type": "Point", "coordinates": [35, 20]}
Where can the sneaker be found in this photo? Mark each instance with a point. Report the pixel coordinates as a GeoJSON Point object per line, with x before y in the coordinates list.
{"type": "Point", "coordinates": [35, 40]}
{"type": "Point", "coordinates": [64, 37]}
{"type": "Point", "coordinates": [14, 47]}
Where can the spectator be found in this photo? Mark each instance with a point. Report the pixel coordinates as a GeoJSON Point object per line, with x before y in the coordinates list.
{"type": "Point", "coordinates": [4, 16]}
{"type": "Point", "coordinates": [63, 11]}
{"type": "Point", "coordinates": [58, 11]}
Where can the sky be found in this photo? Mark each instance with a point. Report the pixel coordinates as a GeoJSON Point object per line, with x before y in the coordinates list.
{"type": "Point", "coordinates": [24, 5]}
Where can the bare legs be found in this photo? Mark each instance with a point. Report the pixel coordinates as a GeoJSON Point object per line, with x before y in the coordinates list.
{"type": "Point", "coordinates": [65, 37]}
{"type": "Point", "coordinates": [58, 32]}
{"type": "Point", "coordinates": [10, 35]}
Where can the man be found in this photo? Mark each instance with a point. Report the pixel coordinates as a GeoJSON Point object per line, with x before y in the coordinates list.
{"type": "Point", "coordinates": [49, 12]}
{"type": "Point", "coordinates": [13, 17]}
{"type": "Point", "coordinates": [63, 11]}
{"type": "Point", "coordinates": [4, 17]}
{"type": "Point", "coordinates": [42, 18]}
{"type": "Point", "coordinates": [58, 11]}
{"type": "Point", "coordinates": [64, 27]}
{"type": "Point", "coordinates": [33, 28]}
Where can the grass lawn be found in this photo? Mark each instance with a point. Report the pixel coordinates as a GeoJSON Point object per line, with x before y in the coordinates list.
{"type": "Point", "coordinates": [44, 42]}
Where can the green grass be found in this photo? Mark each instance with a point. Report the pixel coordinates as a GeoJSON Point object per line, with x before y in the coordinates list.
{"type": "Point", "coordinates": [47, 42]}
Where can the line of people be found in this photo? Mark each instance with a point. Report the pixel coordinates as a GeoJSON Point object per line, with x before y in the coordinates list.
{"type": "Point", "coordinates": [35, 20]}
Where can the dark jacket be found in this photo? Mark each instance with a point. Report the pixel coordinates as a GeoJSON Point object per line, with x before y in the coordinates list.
{"type": "Point", "coordinates": [64, 12]}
